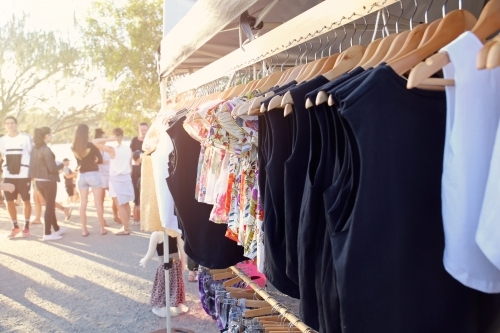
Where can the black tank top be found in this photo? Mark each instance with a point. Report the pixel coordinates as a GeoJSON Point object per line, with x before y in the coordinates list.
{"type": "Point", "coordinates": [205, 241]}
{"type": "Point", "coordinates": [388, 255]}
{"type": "Point", "coordinates": [295, 172]}
{"type": "Point", "coordinates": [279, 133]}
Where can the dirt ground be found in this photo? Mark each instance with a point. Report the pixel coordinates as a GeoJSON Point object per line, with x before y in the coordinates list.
{"type": "Point", "coordinates": [76, 284]}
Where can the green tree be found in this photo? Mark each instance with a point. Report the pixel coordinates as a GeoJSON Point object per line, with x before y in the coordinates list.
{"type": "Point", "coordinates": [29, 59]}
{"type": "Point", "coordinates": [122, 40]}
{"type": "Point", "coordinates": [41, 76]}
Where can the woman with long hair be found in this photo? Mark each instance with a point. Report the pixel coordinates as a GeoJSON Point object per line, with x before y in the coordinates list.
{"type": "Point", "coordinates": [44, 169]}
{"type": "Point", "coordinates": [88, 158]}
{"type": "Point", "coordinates": [120, 180]}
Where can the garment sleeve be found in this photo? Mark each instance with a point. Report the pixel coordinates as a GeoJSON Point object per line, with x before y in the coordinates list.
{"type": "Point", "coordinates": [96, 152]}
{"type": "Point", "coordinates": [50, 162]}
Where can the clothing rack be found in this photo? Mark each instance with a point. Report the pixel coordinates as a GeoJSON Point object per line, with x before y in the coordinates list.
{"type": "Point", "coordinates": [318, 20]}
{"type": "Point", "coordinates": [284, 312]}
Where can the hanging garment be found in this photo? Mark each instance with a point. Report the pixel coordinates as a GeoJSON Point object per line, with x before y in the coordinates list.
{"type": "Point", "coordinates": [472, 122]}
{"type": "Point", "coordinates": [396, 220]}
{"type": "Point", "coordinates": [204, 241]}
{"type": "Point", "coordinates": [295, 173]}
{"type": "Point", "coordinates": [279, 131]}
{"type": "Point", "coordinates": [312, 224]}
{"type": "Point", "coordinates": [150, 214]}
{"type": "Point", "coordinates": [160, 159]}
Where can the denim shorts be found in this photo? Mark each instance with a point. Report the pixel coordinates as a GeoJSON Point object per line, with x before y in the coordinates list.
{"type": "Point", "coordinates": [90, 179]}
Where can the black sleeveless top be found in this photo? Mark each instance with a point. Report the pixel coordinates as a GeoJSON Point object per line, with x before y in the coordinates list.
{"type": "Point", "coordinates": [204, 241]}
{"type": "Point", "coordinates": [388, 252]}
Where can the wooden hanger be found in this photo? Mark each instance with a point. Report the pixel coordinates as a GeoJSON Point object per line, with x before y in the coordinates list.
{"type": "Point", "coordinates": [222, 276]}
{"type": "Point", "coordinates": [255, 304]}
{"type": "Point", "coordinates": [380, 53]}
{"type": "Point", "coordinates": [258, 312]}
{"type": "Point", "coordinates": [493, 60]}
{"type": "Point", "coordinates": [239, 290]}
{"type": "Point", "coordinates": [232, 281]}
{"type": "Point", "coordinates": [245, 295]}
{"type": "Point", "coordinates": [421, 74]}
{"type": "Point", "coordinates": [370, 51]}
{"type": "Point", "coordinates": [396, 46]}
{"type": "Point", "coordinates": [347, 61]}
{"type": "Point", "coordinates": [429, 32]}
{"type": "Point", "coordinates": [450, 27]}
{"type": "Point", "coordinates": [412, 41]}
{"type": "Point", "coordinates": [489, 21]}
{"type": "Point", "coordinates": [482, 57]}
{"type": "Point", "coordinates": [326, 67]}
{"type": "Point", "coordinates": [315, 71]}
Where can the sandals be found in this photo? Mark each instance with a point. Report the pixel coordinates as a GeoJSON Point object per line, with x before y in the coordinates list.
{"type": "Point", "coordinates": [85, 234]}
{"type": "Point", "coordinates": [104, 233]}
{"type": "Point", "coordinates": [123, 233]}
{"type": "Point", "coordinates": [192, 276]}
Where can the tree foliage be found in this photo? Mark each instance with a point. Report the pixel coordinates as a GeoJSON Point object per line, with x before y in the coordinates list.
{"type": "Point", "coordinates": [29, 59]}
{"type": "Point", "coordinates": [40, 76]}
{"type": "Point", "coordinates": [122, 40]}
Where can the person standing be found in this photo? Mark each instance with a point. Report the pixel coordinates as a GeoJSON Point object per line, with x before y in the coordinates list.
{"type": "Point", "coordinates": [136, 182]}
{"type": "Point", "coordinates": [120, 180]}
{"type": "Point", "coordinates": [104, 171]}
{"type": "Point", "coordinates": [88, 158]}
{"type": "Point", "coordinates": [45, 171]}
{"type": "Point", "coordinates": [15, 148]}
{"type": "Point", "coordinates": [137, 141]}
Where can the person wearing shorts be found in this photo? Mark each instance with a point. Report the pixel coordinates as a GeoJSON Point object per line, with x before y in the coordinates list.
{"type": "Point", "coordinates": [88, 158]}
{"type": "Point", "coordinates": [104, 171]}
{"type": "Point", "coordinates": [15, 148]}
{"type": "Point", "coordinates": [120, 180]}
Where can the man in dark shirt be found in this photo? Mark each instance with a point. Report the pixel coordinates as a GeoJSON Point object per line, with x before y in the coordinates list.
{"type": "Point", "coordinates": [136, 181]}
{"type": "Point", "coordinates": [137, 141]}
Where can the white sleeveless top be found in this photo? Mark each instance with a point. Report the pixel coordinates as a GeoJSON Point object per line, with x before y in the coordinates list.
{"type": "Point", "coordinates": [472, 120]}
{"type": "Point", "coordinates": [120, 164]}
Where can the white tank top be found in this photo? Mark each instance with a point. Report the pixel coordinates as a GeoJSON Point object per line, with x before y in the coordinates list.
{"type": "Point", "coordinates": [473, 114]}
{"type": "Point", "coordinates": [120, 164]}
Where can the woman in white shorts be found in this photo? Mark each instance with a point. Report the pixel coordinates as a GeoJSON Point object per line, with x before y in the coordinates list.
{"type": "Point", "coordinates": [88, 158]}
{"type": "Point", "coordinates": [120, 180]}
{"type": "Point", "coordinates": [104, 171]}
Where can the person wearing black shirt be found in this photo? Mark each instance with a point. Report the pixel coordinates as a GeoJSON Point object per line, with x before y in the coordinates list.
{"type": "Point", "coordinates": [45, 170]}
{"type": "Point", "coordinates": [136, 182]}
{"type": "Point", "coordinates": [137, 141]}
{"type": "Point", "coordinates": [88, 157]}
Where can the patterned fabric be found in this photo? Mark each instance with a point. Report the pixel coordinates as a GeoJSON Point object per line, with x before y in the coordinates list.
{"type": "Point", "coordinates": [177, 292]}
{"type": "Point", "coordinates": [227, 169]}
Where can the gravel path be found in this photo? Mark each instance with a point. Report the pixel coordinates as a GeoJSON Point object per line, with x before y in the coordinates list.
{"type": "Point", "coordinates": [77, 284]}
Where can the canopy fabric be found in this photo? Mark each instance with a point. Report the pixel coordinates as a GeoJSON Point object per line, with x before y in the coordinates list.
{"type": "Point", "coordinates": [199, 25]}
{"type": "Point", "coordinates": [209, 31]}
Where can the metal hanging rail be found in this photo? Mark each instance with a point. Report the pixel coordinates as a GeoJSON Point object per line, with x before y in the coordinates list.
{"type": "Point", "coordinates": [320, 19]}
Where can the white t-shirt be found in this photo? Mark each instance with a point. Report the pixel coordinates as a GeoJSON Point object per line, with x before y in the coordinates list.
{"type": "Point", "coordinates": [120, 164]}
{"type": "Point", "coordinates": [160, 159]}
{"type": "Point", "coordinates": [472, 121]}
{"type": "Point", "coordinates": [16, 153]}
